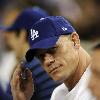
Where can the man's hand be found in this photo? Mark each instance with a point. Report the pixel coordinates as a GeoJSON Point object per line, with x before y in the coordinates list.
{"type": "Point", "coordinates": [22, 89]}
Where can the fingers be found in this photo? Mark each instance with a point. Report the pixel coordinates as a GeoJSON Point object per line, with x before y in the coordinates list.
{"type": "Point", "coordinates": [21, 78]}
{"type": "Point", "coordinates": [25, 79]}
{"type": "Point", "coordinates": [22, 83]}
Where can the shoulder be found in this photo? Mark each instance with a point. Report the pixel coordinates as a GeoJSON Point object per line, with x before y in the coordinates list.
{"type": "Point", "coordinates": [59, 92]}
{"type": "Point", "coordinates": [82, 90]}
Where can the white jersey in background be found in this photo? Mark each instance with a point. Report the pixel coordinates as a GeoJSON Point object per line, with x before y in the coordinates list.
{"type": "Point", "coordinates": [7, 66]}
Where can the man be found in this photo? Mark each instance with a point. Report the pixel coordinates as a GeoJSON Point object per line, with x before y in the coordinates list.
{"type": "Point", "coordinates": [57, 45]}
{"type": "Point", "coordinates": [3, 79]}
{"type": "Point", "coordinates": [16, 36]}
{"type": "Point", "coordinates": [94, 83]}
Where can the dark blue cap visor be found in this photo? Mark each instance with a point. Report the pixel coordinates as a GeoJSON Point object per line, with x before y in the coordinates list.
{"type": "Point", "coordinates": [43, 44]}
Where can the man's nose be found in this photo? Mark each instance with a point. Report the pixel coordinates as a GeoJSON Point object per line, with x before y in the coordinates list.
{"type": "Point", "coordinates": [48, 60]}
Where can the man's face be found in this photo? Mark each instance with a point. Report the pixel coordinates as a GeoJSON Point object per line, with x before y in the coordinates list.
{"type": "Point", "coordinates": [60, 61]}
{"type": "Point", "coordinates": [95, 77]}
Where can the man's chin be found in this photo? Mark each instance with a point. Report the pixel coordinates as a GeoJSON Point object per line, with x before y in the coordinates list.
{"type": "Point", "coordinates": [59, 79]}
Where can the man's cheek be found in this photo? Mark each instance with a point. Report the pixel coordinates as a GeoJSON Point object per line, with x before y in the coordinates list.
{"type": "Point", "coordinates": [45, 68]}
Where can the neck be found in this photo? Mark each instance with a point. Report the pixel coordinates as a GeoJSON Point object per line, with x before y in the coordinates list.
{"type": "Point", "coordinates": [22, 51]}
{"type": "Point", "coordinates": [84, 61]}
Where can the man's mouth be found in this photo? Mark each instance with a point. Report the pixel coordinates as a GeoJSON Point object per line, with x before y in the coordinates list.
{"type": "Point", "coordinates": [55, 69]}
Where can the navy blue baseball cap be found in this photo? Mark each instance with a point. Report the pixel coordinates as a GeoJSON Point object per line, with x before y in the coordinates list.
{"type": "Point", "coordinates": [27, 18]}
{"type": "Point", "coordinates": [45, 33]}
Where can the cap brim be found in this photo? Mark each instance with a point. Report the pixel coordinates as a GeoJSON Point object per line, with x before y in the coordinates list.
{"type": "Point", "coordinates": [43, 44]}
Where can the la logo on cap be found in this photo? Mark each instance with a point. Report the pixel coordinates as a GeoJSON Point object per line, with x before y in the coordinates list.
{"type": "Point", "coordinates": [34, 34]}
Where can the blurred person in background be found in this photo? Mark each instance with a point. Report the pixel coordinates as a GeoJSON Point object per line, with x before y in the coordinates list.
{"type": "Point", "coordinates": [88, 23]}
{"type": "Point", "coordinates": [1, 41]}
{"type": "Point", "coordinates": [3, 77]}
{"type": "Point", "coordinates": [7, 59]}
{"type": "Point", "coordinates": [16, 37]}
{"type": "Point", "coordinates": [69, 9]}
{"type": "Point", "coordinates": [84, 15]}
{"type": "Point", "coordinates": [94, 84]}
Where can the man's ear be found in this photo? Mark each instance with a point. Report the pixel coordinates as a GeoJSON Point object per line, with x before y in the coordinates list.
{"type": "Point", "coordinates": [23, 35]}
{"type": "Point", "coordinates": [75, 39]}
